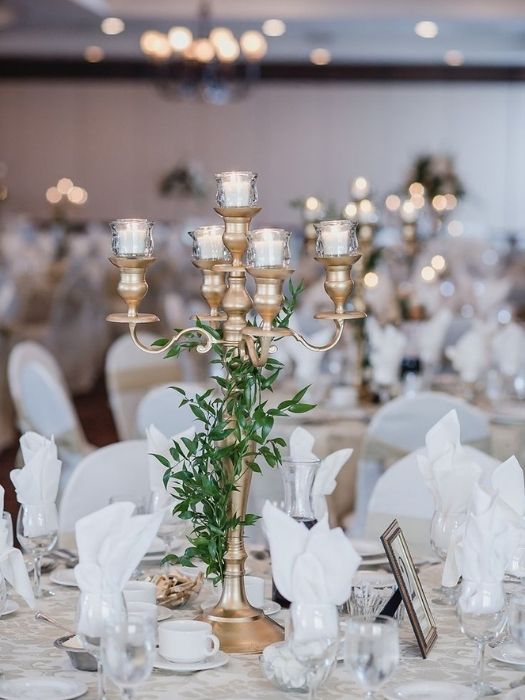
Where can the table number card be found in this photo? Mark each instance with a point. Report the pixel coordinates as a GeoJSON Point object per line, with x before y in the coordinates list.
{"type": "Point", "coordinates": [410, 587]}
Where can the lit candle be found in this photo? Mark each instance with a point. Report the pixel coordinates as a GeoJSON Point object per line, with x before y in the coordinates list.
{"type": "Point", "coordinates": [132, 237]}
{"type": "Point", "coordinates": [236, 189]}
{"type": "Point", "coordinates": [208, 243]}
{"type": "Point", "coordinates": [269, 248]}
{"type": "Point", "coordinates": [360, 188]}
{"type": "Point", "coordinates": [335, 238]}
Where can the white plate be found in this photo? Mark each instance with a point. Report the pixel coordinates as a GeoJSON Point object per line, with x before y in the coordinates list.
{"type": "Point", "coordinates": [516, 694]}
{"type": "Point", "coordinates": [368, 548]}
{"type": "Point", "coordinates": [429, 690]}
{"type": "Point", "coordinates": [43, 688]}
{"type": "Point", "coordinates": [11, 606]}
{"type": "Point", "coordinates": [219, 659]}
{"type": "Point", "coordinates": [271, 607]}
{"type": "Point", "coordinates": [163, 613]}
{"type": "Point", "coordinates": [64, 577]}
{"type": "Point", "coordinates": [509, 653]}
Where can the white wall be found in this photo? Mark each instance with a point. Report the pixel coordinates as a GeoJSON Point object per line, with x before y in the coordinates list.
{"type": "Point", "coordinates": [117, 140]}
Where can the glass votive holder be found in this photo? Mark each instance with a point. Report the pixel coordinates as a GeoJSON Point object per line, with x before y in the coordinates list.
{"type": "Point", "coordinates": [335, 238]}
{"type": "Point", "coordinates": [236, 189]}
{"type": "Point", "coordinates": [371, 591]}
{"type": "Point", "coordinates": [132, 238]}
{"type": "Point", "coordinates": [269, 247]}
{"type": "Point", "coordinates": [208, 244]}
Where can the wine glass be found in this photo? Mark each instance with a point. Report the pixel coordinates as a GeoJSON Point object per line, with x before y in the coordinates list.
{"type": "Point", "coordinates": [8, 520]}
{"type": "Point", "coordinates": [517, 625]}
{"type": "Point", "coordinates": [172, 528]}
{"type": "Point", "coordinates": [314, 640]}
{"type": "Point", "coordinates": [516, 566]}
{"type": "Point", "coordinates": [443, 526]}
{"type": "Point", "coordinates": [95, 610]}
{"type": "Point", "coordinates": [483, 617]}
{"type": "Point", "coordinates": [371, 651]}
{"type": "Point", "coordinates": [128, 652]}
{"type": "Point", "coordinates": [37, 531]}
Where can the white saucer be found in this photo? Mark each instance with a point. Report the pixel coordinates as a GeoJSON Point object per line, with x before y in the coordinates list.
{"type": "Point", "coordinates": [41, 687]}
{"type": "Point", "coordinates": [368, 548]}
{"type": "Point", "coordinates": [11, 606]}
{"type": "Point", "coordinates": [64, 577]}
{"type": "Point", "coordinates": [219, 659]}
{"type": "Point", "coordinates": [429, 690]}
{"type": "Point", "coordinates": [509, 653]}
{"type": "Point", "coordinates": [163, 613]}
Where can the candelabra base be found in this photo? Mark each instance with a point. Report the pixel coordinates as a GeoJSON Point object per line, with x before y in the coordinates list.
{"type": "Point", "coordinates": [245, 630]}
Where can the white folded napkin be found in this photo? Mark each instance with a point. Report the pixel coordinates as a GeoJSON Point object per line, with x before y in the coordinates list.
{"type": "Point", "coordinates": [387, 346]}
{"type": "Point", "coordinates": [111, 542]}
{"type": "Point", "coordinates": [309, 566]}
{"type": "Point", "coordinates": [505, 487]}
{"type": "Point", "coordinates": [159, 444]}
{"type": "Point", "coordinates": [431, 336]}
{"type": "Point", "coordinates": [470, 356]}
{"type": "Point", "coordinates": [508, 349]}
{"type": "Point", "coordinates": [447, 470]}
{"type": "Point", "coordinates": [301, 444]}
{"type": "Point", "coordinates": [12, 565]}
{"type": "Point", "coordinates": [488, 544]}
{"type": "Point", "coordinates": [37, 482]}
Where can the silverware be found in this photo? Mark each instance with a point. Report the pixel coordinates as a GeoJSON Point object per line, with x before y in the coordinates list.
{"type": "Point", "coordinates": [69, 558]}
{"type": "Point", "coordinates": [39, 615]}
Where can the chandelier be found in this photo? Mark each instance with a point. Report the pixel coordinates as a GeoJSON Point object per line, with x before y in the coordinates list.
{"type": "Point", "coordinates": [213, 65]}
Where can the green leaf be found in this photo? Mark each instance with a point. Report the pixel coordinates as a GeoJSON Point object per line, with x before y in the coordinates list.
{"type": "Point", "coordinates": [165, 462]}
{"type": "Point", "coordinates": [301, 407]}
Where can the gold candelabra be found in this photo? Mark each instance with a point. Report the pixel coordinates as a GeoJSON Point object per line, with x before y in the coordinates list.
{"type": "Point", "coordinates": [220, 252]}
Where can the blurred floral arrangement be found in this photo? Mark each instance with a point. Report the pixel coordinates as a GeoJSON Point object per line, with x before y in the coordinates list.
{"type": "Point", "coordinates": [184, 180]}
{"type": "Point", "coordinates": [437, 175]}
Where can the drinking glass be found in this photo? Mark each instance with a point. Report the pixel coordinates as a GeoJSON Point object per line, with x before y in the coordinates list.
{"type": "Point", "coordinates": [371, 651]}
{"type": "Point", "coordinates": [483, 617]}
{"type": "Point", "coordinates": [37, 530]}
{"type": "Point", "coordinates": [95, 611]}
{"type": "Point", "coordinates": [314, 640]}
{"type": "Point", "coordinates": [128, 652]}
{"type": "Point", "coordinates": [517, 625]}
{"type": "Point", "coordinates": [172, 528]}
{"type": "Point", "coordinates": [443, 526]}
{"type": "Point", "coordinates": [516, 566]}
{"type": "Point", "coordinates": [8, 520]}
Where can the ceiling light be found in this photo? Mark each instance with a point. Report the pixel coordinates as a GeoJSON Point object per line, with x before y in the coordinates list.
{"type": "Point", "coordinates": [94, 54]}
{"type": "Point", "coordinates": [454, 58]}
{"type": "Point", "coordinates": [371, 280]}
{"type": "Point", "coordinates": [426, 29]}
{"type": "Point", "coordinates": [220, 36]}
{"type": "Point", "coordinates": [53, 196]}
{"type": "Point", "coordinates": [438, 262]}
{"type": "Point", "coordinates": [77, 195]}
{"type": "Point", "coordinates": [392, 202]}
{"type": "Point", "coordinates": [416, 188]}
{"type": "Point", "coordinates": [156, 45]}
{"type": "Point", "coordinates": [228, 52]}
{"type": "Point", "coordinates": [350, 211]}
{"type": "Point", "coordinates": [253, 45]}
{"type": "Point", "coordinates": [428, 273]}
{"type": "Point", "coordinates": [320, 57]}
{"type": "Point", "coordinates": [112, 25]}
{"type": "Point", "coordinates": [180, 38]}
{"type": "Point", "coordinates": [274, 27]}
{"type": "Point", "coordinates": [203, 50]}
{"type": "Point", "coordinates": [64, 185]}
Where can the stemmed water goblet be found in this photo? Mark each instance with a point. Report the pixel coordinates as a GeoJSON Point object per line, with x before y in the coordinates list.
{"type": "Point", "coordinates": [371, 651]}
{"type": "Point", "coordinates": [172, 528]}
{"type": "Point", "coordinates": [442, 528]}
{"type": "Point", "coordinates": [37, 532]}
{"type": "Point", "coordinates": [314, 640]}
{"type": "Point", "coordinates": [128, 652]}
{"type": "Point", "coordinates": [517, 625]}
{"type": "Point", "coordinates": [96, 611]}
{"type": "Point", "coordinates": [483, 618]}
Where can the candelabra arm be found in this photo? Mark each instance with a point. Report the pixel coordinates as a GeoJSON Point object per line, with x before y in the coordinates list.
{"type": "Point", "coordinates": [339, 325]}
{"type": "Point", "coordinates": [205, 346]}
{"type": "Point", "coordinates": [258, 359]}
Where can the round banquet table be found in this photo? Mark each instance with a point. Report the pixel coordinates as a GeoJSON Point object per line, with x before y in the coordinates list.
{"type": "Point", "coordinates": [26, 649]}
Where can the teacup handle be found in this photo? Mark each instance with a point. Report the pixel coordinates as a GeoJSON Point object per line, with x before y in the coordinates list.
{"type": "Point", "coordinates": [215, 644]}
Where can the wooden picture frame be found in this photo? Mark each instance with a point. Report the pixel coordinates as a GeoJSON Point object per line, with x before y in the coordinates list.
{"type": "Point", "coordinates": [410, 587]}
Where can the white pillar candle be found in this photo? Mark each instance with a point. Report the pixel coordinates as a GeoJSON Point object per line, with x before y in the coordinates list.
{"type": "Point", "coordinates": [268, 253]}
{"type": "Point", "coordinates": [132, 241]}
{"type": "Point", "coordinates": [237, 192]}
{"type": "Point", "coordinates": [211, 246]}
{"type": "Point", "coordinates": [335, 241]}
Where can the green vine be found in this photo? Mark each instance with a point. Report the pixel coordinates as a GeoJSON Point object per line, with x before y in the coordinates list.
{"type": "Point", "coordinates": [235, 427]}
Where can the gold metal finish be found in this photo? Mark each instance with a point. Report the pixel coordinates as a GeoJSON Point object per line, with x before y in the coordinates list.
{"type": "Point", "coordinates": [240, 627]}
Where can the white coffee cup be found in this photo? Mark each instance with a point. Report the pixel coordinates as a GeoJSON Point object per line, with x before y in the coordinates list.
{"type": "Point", "coordinates": [254, 587]}
{"type": "Point", "coordinates": [187, 641]}
{"type": "Point", "coordinates": [147, 611]}
{"type": "Point", "coordinates": [140, 592]}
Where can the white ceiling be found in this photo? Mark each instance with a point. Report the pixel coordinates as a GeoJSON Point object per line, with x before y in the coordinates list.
{"type": "Point", "coordinates": [369, 31]}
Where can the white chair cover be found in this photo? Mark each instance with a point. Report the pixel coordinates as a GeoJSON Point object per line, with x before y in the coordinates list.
{"type": "Point", "coordinates": [130, 374]}
{"type": "Point", "coordinates": [400, 427]}
{"type": "Point", "coordinates": [48, 410]}
{"type": "Point", "coordinates": [402, 493]}
{"type": "Point", "coordinates": [161, 408]}
{"type": "Point", "coordinates": [115, 471]}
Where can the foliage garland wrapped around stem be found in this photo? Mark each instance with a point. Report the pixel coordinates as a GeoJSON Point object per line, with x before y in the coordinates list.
{"type": "Point", "coordinates": [235, 429]}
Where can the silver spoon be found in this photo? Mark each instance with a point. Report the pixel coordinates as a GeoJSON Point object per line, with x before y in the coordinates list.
{"type": "Point", "coordinates": [39, 615]}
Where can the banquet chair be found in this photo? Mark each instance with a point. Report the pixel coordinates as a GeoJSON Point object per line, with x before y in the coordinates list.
{"type": "Point", "coordinates": [46, 408]}
{"type": "Point", "coordinates": [401, 493]}
{"type": "Point", "coordinates": [400, 427]}
{"type": "Point", "coordinates": [118, 471]}
{"type": "Point", "coordinates": [130, 374]}
{"type": "Point", "coordinates": [161, 408]}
